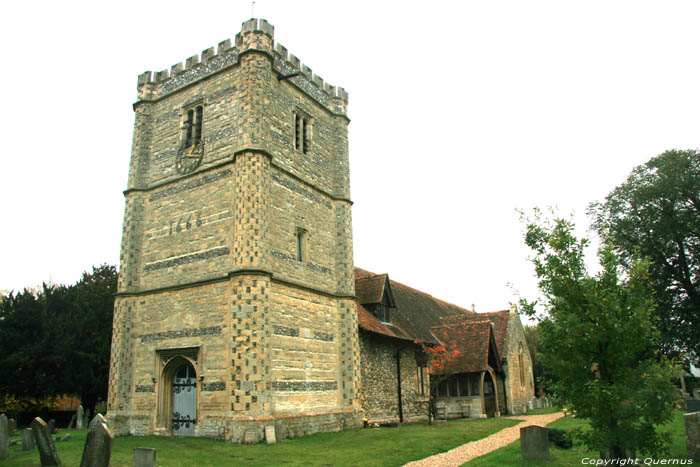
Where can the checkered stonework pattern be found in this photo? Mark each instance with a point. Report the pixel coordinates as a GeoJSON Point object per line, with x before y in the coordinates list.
{"type": "Point", "coordinates": [209, 268]}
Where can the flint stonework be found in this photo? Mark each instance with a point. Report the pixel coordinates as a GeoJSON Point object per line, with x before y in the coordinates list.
{"type": "Point", "coordinates": [45, 444]}
{"type": "Point", "coordinates": [534, 442]}
{"type": "Point", "coordinates": [4, 438]}
{"type": "Point", "coordinates": [98, 447]}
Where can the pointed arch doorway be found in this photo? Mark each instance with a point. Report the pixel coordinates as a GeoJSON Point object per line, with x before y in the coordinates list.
{"type": "Point", "coordinates": [177, 393]}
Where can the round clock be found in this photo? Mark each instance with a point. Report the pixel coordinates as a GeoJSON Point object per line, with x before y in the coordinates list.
{"type": "Point", "coordinates": [189, 158]}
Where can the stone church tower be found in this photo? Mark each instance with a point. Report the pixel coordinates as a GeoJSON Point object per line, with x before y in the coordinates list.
{"type": "Point", "coordinates": [235, 308]}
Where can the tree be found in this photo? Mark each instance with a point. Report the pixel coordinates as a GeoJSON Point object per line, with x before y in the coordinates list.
{"type": "Point", "coordinates": [598, 342]}
{"type": "Point", "coordinates": [56, 340]}
{"type": "Point", "coordinates": [438, 357]}
{"type": "Point", "coordinates": [532, 337]}
{"type": "Point", "coordinates": [655, 214]}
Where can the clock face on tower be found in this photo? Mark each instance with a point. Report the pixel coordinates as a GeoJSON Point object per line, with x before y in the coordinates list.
{"type": "Point", "coordinates": [189, 158]}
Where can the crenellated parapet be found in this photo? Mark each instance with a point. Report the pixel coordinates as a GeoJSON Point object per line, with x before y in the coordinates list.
{"type": "Point", "coordinates": [257, 35]}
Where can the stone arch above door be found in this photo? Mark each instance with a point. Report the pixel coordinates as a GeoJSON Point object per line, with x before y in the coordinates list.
{"type": "Point", "coordinates": [169, 362]}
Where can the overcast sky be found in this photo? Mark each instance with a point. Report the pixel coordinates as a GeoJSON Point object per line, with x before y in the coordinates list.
{"type": "Point", "coordinates": [461, 113]}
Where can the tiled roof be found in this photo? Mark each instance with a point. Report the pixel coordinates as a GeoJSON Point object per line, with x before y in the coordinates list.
{"type": "Point", "coordinates": [369, 322]}
{"type": "Point", "coordinates": [415, 313]}
{"type": "Point", "coordinates": [370, 289]}
{"type": "Point", "coordinates": [471, 339]}
{"type": "Point", "coordinates": [498, 318]}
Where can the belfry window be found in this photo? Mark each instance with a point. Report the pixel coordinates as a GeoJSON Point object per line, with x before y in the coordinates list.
{"type": "Point", "coordinates": [302, 133]}
{"type": "Point", "coordinates": [193, 126]}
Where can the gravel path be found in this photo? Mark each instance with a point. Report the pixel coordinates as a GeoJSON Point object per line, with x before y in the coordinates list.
{"type": "Point", "coordinates": [466, 452]}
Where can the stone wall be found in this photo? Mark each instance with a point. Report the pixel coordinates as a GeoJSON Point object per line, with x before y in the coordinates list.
{"type": "Point", "coordinates": [517, 393]}
{"type": "Point", "coordinates": [379, 390]}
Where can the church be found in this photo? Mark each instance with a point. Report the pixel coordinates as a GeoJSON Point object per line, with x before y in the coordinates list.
{"type": "Point", "coordinates": [239, 306]}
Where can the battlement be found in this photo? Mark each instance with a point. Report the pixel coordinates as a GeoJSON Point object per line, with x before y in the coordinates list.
{"type": "Point", "coordinates": [258, 35]}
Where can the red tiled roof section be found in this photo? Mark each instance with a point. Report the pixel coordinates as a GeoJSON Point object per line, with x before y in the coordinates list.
{"type": "Point", "coordinates": [415, 313]}
{"type": "Point", "coordinates": [471, 339]}
{"type": "Point", "coordinates": [370, 289]}
{"type": "Point", "coordinates": [499, 320]}
{"type": "Point", "coordinates": [369, 322]}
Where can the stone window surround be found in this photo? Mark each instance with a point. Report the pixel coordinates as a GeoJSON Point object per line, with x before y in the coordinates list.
{"type": "Point", "coordinates": [184, 119]}
{"type": "Point", "coordinates": [303, 131]}
{"type": "Point", "coordinates": [167, 362]}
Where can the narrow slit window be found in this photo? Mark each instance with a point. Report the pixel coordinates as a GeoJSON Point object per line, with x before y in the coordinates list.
{"type": "Point", "coordinates": [297, 124]}
{"type": "Point", "coordinates": [301, 253]}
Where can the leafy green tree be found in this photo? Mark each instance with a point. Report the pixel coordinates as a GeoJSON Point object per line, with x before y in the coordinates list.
{"type": "Point", "coordinates": [598, 342]}
{"type": "Point", "coordinates": [655, 214]}
{"type": "Point", "coordinates": [56, 340]}
{"type": "Point", "coordinates": [532, 337]}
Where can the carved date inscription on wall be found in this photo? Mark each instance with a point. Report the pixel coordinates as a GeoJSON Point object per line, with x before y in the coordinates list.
{"type": "Point", "coordinates": [185, 222]}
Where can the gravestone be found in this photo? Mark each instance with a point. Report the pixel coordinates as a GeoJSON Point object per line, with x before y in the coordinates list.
{"type": "Point", "coordinates": [86, 420]}
{"type": "Point", "coordinates": [51, 426]}
{"type": "Point", "coordinates": [79, 418]}
{"type": "Point", "coordinates": [66, 437]}
{"type": "Point", "coordinates": [4, 438]}
{"type": "Point", "coordinates": [270, 437]}
{"type": "Point", "coordinates": [534, 442]}
{"type": "Point", "coordinates": [692, 434]}
{"type": "Point", "coordinates": [44, 442]}
{"type": "Point", "coordinates": [71, 424]}
{"type": "Point", "coordinates": [27, 439]}
{"type": "Point", "coordinates": [12, 427]}
{"type": "Point", "coordinates": [530, 405]}
{"type": "Point", "coordinates": [97, 420]}
{"type": "Point", "coordinates": [98, 447]}
{"type": "Point", "coordinates": [144, 457]}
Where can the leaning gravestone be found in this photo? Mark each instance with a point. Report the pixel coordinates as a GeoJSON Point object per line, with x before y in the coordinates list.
{"type": "Point", "coordinates": [144, 457]}
{"type": "Point", "coordinates": [72, 422]}
{"type": "Point", "coordinates": [79, 418]}
{"type": "Point", "coordinates": [4, 438]}
{"type": "Point", "coordinates": [44, 442]}
{"type": "Point", "coordinates": [86, 420]}
{"type": "Point", "coordinates": [51, 426]}
{"type": "Point", "coordinates": [534, 442]}
{"type": "Point", "coordinates": [12, 427]}
{"type": "Point", "coordinates": [27, 439]}
{"type": "Point", "coordinates": [98, 447]}
{"type": "Point", "coordinates": [692, 434]}
{"type": "Point", "coordinates": [97, 420]}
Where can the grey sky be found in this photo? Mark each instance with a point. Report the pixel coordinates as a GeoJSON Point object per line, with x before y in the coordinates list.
{"type": "Point", "coordinates": [461, 113]}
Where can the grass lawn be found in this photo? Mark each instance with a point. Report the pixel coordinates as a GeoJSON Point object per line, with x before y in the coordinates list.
{"type": "Point", "coordinates": [511, 454]}
{"type": "Point", "coordinates": [366, 447]}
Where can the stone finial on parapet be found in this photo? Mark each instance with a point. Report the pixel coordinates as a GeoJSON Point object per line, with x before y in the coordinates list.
{"type": "Point", "coordinates": [256, 34]}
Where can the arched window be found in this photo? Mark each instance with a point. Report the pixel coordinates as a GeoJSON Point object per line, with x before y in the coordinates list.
{"type": "Point", "coordinates": [521, 366]}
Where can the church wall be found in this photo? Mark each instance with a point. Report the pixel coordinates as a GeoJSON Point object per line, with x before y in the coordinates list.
{"type": "Point", "coordinates": [517, 394]}
{"type": "Point", "coordinates": [379, 390]}
{"type": "Point", "coordinates": [304, 351]}
{"type": "Point", "coordinates": [187, 231]}
{"type": "Point", "coordinates": [293, 206]}
{"type": "Point", "coordinates": [195, 317]}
